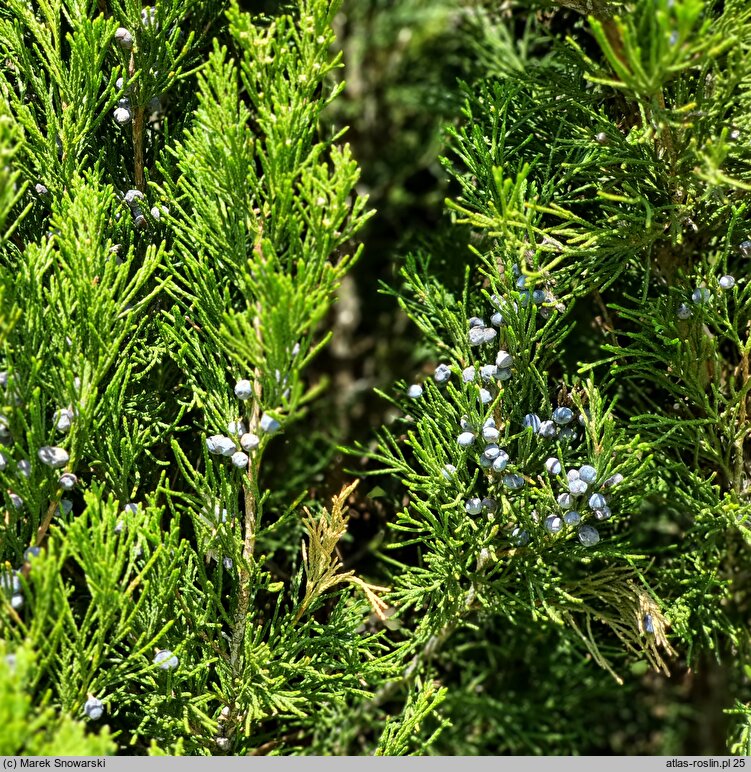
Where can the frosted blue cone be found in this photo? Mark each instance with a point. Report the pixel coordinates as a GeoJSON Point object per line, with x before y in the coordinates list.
{"type": "Point", "coordinates": [269, 425]}
{"type": "Point", "coordinates": [504, 360]}
{"type": "Point", "coordinates": [235, 428]}
{"type": "Point", "coordinates": [490, 434]}
{"type": "Point", "coordinates": [30, 553]}
{"type": "Point", "coordinates": [132, 197]}
{"type": "Point", "coordinates": [165, 659]}
{"type": "Point", "coordinates": [93, 708]}
{"type": "Point", "coordinates": [465, 439]}
{"type": "Point", "coordinates": [491, 451]}
{"type": "Point", "coordinates": [219, 445]}
{"type": "Point", "coordinates": [123, 38]}
{"type": "Point", "coordinates": [577, 487]}
{"type": "Point", "coordinates": [53, 456]}
{"type": "Point", "coordinates": [243, 389]}
{"type": "Point", "coordinates": [249, 441]}
{"type": "Point", "coordinates": [488, 372]}
{"type": "Point", "coordinates": [473, 506]}
{"type": "Point", "coordinates": [588, 535]}
{"type": "Point", "coordinates": [501, 462]}
{"type": "Point", "coordinates": [613, 480]}
{"type": "Point", "coordinates": [122, 116]}
{"type": "Point", "coordinates": [476, 336]}
{"type": "Point", "coordinates": [701, 295]}
{"type": "Point", "coordinates": [548, 430]}
{"type": "Point", "coordinates": [563, 415]}
{"type": "Point", "coordinates": [448, 471]}
{"type": "Point", "coordinates": [240, 459]}
{"type": "Point", "coordinates": [513, 481]}
{"type": "Point", "coordinates": [442, 373]}
{"type": "Point", "coordinates": [67, 481]}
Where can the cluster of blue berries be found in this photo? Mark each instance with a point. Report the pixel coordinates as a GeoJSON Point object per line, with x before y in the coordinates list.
{"type": "Point", "coordinates": [479, 334]}
{"type": "Point", "coordinates": [558, 426]}
{"type": "Point", "coordinates": [133, 199]}
{"type": "Point", "coordinates": [222, 445]}
{"type": "Point", "coordinates": [123, 113]}
{"type": "Point", "coordinates": [10, 580]}
{"type": "Point", "coordinates": [495, 460]}
{"type": "Point", "coordinates": [702, 295]}
{"type": "Point", "coordinates": [50, 455]}
{"type": "Point", "coordinates": [490, 374]}
{"type": "Point", "coordinates": [578, 482]}
{"type": "Point", "coordinates": [492, 458]}
{"type": "Point", "coordinates": [579, 485]}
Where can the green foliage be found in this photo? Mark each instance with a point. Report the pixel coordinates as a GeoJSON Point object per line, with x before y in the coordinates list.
{"type": "Point", "coordinates": [33, 728]}
{"type": "Point", "coordinates": [188, 275]}
{"type": "Point", "coordinates": [133, 326]}
{"type": "Point", "coordinates": [616, 209]}
{"type": "Point", "coordinates": [742, 745]}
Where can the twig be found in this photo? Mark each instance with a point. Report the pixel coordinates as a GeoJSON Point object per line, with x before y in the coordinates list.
{"type": "Point", "coordinates": [742, 430]}
{"type": "Point", "coordinates": [249, 533]}
{"type": "Point", "coordinates": [138, 147]}
{"type": "Point", "coordinates": [45, 524]}
{"type": "Point", "coordinates": [271, 744]}
{"type": "Point", "coordinates": [249, 536]}
{"type": "Point", "coordinates": [138, 118]}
